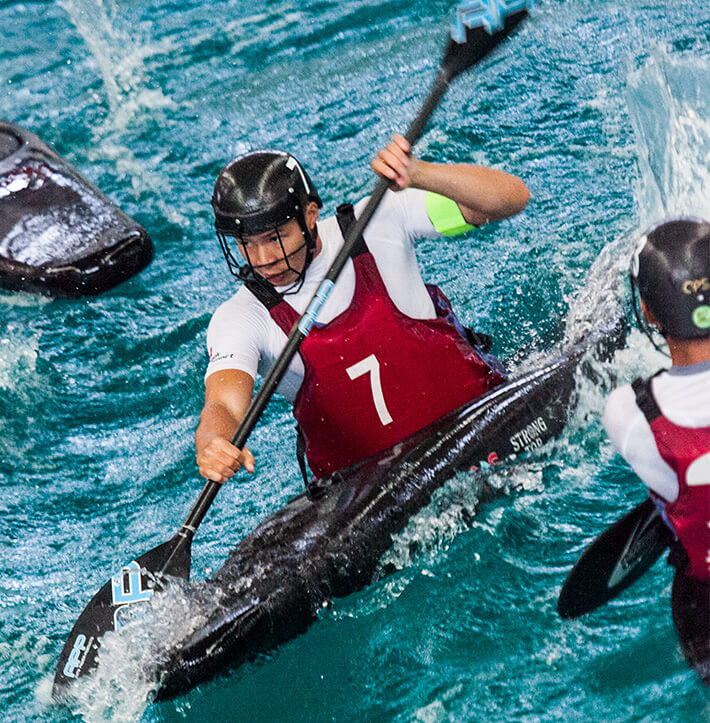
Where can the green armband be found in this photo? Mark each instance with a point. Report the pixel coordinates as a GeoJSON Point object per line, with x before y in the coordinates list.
{"type": "Point", "coordinates": [445, 214]}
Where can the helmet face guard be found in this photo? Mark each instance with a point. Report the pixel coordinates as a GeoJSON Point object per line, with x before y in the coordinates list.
{"type": "Point", "coordinates": [259, 192]}
{"type": "Point", "coordinates": [670, 271]}
{"type": "Point", "coordinates": [244, 271]}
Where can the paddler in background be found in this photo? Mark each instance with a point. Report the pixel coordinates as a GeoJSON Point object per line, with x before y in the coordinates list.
{"type": "Point", "coordinates": [387, 356]}
{"type": "Point", "coordinates": [661, 425]}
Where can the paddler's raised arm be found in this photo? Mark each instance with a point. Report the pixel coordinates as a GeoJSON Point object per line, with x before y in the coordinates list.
{"type": "Point", "coordinates": [483, 194]}
{"type": "Point", "coordinates": [227, 396]}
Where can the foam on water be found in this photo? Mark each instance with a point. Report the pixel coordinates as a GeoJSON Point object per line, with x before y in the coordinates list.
{"type": "Point", "coordinates": [9, 299]}
{"type": "Point", "coordinates": [18, 357]}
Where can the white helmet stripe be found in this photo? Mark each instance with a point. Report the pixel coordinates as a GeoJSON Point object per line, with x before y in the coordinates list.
{"type": "Point", "coordinates": [292, 163]}
{"type": "Point", "coordinates": [636, 258]}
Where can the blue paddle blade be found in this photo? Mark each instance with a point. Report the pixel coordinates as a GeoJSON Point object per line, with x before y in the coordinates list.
{"type": "Point", "coordinates": [615, 560]}
{"type": "Point", "coordinates": [478, 27]}
{"type": "Point", "coordinates": [134, 583]}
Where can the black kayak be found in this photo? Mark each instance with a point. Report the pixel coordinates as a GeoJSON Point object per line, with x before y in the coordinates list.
{"type": "Point", "coordinates": [59, 235]}
{"type": "Point", "coordinates": [328, 543]}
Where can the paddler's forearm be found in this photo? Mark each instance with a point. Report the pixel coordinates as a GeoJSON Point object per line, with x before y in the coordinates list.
{"type": "Point", "coordinates": [217, 458]}
{"type": "Point", "coordinates": [483, 194]}
{"type": "Point", "coordinates": [215, 421]}
{"type": "Point", "coordinates": [227, 396]}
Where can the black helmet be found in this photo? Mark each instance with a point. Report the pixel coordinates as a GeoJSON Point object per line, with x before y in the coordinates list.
{"type": "Point", "coordinates": [258, 192]}
{"type": "Point", "coordinates": [670, 269]}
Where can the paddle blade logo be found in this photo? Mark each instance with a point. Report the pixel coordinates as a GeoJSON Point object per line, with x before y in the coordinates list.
{"type": "Point", "coordinates": [77, 657]}
{"type": "Point", "coordinates": [487, 14]}
{"type": "Point", "coordinates": [127, 589]}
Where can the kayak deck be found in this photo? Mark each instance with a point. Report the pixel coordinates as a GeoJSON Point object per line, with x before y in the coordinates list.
{"type": "Point", "coordinates": [59, 235]}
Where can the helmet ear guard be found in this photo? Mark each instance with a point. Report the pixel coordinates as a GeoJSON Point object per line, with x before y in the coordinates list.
{"type": "Point", "coordinates": [670, 272]}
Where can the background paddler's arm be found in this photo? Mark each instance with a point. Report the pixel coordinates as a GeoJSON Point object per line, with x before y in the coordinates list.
{"type": "Point", "coordinates": [227, 396]}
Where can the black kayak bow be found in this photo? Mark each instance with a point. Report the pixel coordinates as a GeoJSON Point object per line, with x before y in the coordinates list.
{"type": "Point", "coordinates": [479, 27]}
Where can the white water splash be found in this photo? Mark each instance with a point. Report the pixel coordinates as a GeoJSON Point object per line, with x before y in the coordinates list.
{"type": "Point", "coordinates": [598, 304]}
{"type": "Point", "coordinates": [120, 689]}
{"type": "Point", "coordinates": [669, 104]}
{"type": "Point", "coordinates": [22, 299]}
{"type": "Point", "coordinates": [670, 110]}
{"type": "Point", "coordinates": [120, 52]}
{"type": "Point", "coordinates": [18, 358]}
{"type": "Point", "coordinates": [451, 511]}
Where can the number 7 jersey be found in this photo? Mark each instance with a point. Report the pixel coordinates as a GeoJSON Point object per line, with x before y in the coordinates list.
{"type": "Point", "coordinates": [374, 376]}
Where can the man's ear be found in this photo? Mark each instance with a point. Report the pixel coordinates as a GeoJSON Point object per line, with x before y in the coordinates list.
{"type": "Point", "coordinates": [311, 214]}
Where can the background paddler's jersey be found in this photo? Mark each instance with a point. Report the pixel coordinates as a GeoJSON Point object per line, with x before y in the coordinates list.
{"type": "Point", "coordinates": [671, 452]}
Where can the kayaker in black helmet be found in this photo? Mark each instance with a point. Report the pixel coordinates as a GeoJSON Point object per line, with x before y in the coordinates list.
{"type": "Point", "coordinates": [260, 193]}
{"type": "Point", "coordinates": [661, 425]}
{"type": "Point", "coordinates": [368, 374]}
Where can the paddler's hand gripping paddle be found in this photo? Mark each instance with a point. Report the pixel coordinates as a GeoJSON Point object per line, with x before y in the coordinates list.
{"type": "Point", "coordinates": [479, 26]}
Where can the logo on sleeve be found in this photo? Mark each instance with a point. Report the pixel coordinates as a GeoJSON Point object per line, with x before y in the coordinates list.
{"type": "Point", "coordinates": [215, 356]}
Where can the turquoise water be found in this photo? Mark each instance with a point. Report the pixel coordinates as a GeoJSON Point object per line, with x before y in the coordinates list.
{"type": "Point", "coordinates": [602, 107]}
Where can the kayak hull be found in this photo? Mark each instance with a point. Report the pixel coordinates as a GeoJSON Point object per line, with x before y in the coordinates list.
{"type": "Point", "coordinates": [59, 235]}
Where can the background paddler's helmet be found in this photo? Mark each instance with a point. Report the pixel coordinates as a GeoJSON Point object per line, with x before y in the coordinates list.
{"type": "Point", "coordinates": [670, 270]}
{"type": "Point", "coordinates": [258, 192]}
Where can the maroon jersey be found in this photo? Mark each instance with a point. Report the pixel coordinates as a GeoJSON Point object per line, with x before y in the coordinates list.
{"type": "Point", "coordinates": [374, 375]}
{"type": "Point", "coordinates": [687, 451]}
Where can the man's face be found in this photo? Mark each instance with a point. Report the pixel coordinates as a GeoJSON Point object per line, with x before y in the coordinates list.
{"type": "Point", "coordinates": [278, 255]}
